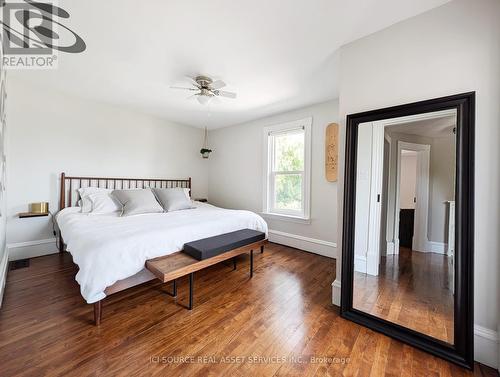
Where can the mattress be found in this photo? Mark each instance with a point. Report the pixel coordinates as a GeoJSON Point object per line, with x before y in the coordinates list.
{"type": "Point", "coordinates": [108, 248]}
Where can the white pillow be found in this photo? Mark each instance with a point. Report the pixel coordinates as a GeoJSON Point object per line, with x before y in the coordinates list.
{"type": "Point", "coordinates": [98, 200]}
{"type": "Point", "coordinates": [135, 202]}
{"type": "Point", "coordinates": [173, 199]}
{"type": "Point", "coordinates": [86, 204]}
{"type": "Point", "coordinates": [104, 202]}
{"type": "Point", "coordinates": [84, 192]}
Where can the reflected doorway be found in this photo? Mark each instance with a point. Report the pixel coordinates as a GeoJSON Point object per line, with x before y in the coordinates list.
{"type": "Point", "coordinates": [403, 267]}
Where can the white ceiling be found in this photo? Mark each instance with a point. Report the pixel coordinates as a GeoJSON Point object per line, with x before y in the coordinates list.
{"type": "Point", "coordinates": [437, 127]}
{"type": "Point", "coordinates": [277, 55]}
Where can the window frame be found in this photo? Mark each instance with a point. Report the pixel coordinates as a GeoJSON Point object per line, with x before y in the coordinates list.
{"type": "Point", "coordinates": [269, 176]}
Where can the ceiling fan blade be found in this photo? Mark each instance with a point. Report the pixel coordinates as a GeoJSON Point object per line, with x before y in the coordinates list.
{"type": "Point", "coordinates": [192, 96]}
{"type": "Point", "coordinates": [218, 84]}
{"type": "Point", "coordinates": [222, 93]}
{"type": "Point", "coordinates": [179, 87]}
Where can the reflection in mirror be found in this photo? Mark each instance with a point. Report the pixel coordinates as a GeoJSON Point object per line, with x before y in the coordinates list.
{"type": "Point", "coordinates": [404, 222]}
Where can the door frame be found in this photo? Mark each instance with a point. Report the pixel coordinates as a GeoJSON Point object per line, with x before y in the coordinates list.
{"type": "Point", "coordinates": [377, 165]}
{"type": "Point", "coordinates": [375, 211]}
{"type": "Point", "coordinates": [421, 220]}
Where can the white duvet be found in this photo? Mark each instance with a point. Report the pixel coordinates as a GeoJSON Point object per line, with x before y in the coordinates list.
{"type": "Point", "coordinates": [108, 248]}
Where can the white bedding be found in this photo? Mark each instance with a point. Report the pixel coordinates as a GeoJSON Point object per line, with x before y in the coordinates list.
{"type": "Point", "coordinates": [108, 248]}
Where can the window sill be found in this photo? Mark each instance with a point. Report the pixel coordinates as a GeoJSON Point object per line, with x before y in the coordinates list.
{"type": "Point", "coordinates": [289, 218]}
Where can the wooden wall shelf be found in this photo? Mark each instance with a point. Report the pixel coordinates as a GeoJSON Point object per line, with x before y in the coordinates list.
{"type": "Point", "coordinates": [25, 215]}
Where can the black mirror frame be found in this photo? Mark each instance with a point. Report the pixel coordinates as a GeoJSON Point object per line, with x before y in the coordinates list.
{"type": "Point", "coordinates": [462, 351]}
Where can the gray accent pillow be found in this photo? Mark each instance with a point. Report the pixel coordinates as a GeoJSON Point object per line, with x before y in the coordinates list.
{"type": "Point", "coordinates": [139, 201]}
{"type": "Point", "coordinates": [173, 199]}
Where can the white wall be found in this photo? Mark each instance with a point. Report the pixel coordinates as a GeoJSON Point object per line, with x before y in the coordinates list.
{"type": "Point", "coordinates": [236, 177]}
{"type": "Point", "coordinates": [441, 186]}
{"type": "Point", "coordinates": [451, 49]}
{"type": "Point", "coordinates": [50, 133]}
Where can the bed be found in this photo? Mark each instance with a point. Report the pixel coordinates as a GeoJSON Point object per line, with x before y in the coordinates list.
{"type": "Point", "coordinates": [111, 251]}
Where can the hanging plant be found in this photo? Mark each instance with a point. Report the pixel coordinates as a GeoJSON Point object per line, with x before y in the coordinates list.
{"type": "Point", "coordinates": [205, 151]}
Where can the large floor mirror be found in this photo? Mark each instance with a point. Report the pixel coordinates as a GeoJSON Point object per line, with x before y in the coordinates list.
{"type": "Point", "coordinates": [407, 261]}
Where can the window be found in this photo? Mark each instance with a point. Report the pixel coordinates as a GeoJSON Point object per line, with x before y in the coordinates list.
{"type": "Point", "coordinates": [287, 169]}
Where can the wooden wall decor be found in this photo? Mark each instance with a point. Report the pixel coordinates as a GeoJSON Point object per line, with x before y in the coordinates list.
{"type": "Point", "coordinates": [331, 152]}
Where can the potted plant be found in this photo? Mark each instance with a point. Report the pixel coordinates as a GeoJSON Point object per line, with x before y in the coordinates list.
{"type": "Point", "coordinates": [205, 152]}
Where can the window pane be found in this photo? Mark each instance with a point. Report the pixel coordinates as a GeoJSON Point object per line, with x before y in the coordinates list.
{"type": "Point", "coordinates": [288, 191]}
{"type": "Point", "coordinates": [289, 151]}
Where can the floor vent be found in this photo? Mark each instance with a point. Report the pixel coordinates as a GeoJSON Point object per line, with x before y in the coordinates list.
{"type": "Point", "coordinates": [17, 264]}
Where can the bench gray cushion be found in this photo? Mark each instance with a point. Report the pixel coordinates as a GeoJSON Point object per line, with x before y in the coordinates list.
{"type": "Point", "coordinates": [212, 246]}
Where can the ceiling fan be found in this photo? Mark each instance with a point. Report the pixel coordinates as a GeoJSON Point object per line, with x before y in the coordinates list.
{"type": "Point", "coordinates": [206, 89]}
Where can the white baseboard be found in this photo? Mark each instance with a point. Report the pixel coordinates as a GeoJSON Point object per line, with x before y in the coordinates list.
{"type": "Point", "coordinates": [437, 247]}
{"type": "Point", "coordinates": [430, 247]}
{"type": "Point", "coordinates": [360, 264]}
{"type": "Point", "coordinates": [336, 292]}
{"type": "Point", "coordinates": [372, 263]}
{"type": "Point", "coordinates": [486, 346]}
{"type": "Point", "coordinates": [366, 265]}
{"type": "Point", "coordinates": [4, 263]}
{"type": "Point", "coordinates": [313, 245]}
{"type": "Point", "coordinates": [390, 248]}
{"type": "Point", "coordinates": [31, 249]}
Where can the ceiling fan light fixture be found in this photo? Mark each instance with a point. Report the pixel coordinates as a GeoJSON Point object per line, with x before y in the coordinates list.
{"type": "Point", "coordinates": [203, 99]}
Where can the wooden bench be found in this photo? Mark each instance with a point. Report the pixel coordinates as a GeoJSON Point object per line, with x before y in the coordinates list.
{"type": "Point", "coordinates": [179, 264]}
{"type": "Point", "coordinates": [173, 266]}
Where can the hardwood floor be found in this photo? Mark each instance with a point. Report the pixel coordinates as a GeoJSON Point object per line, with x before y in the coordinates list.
{"type": "Point", "coordinates": [237, 326]}
{"type": "Point", "coordinates": [413, 290]}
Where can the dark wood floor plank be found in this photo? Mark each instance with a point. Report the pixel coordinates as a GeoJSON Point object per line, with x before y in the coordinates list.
{"type": "Point", "coordinates": [283, 311]}
{"type": "Point", "coordinates": [412, 290]}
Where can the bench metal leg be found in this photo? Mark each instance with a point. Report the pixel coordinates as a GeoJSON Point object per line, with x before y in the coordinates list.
{"type": "Point", "coordinates": [174, 289]}
{"type": "Point", "coordinates": [251, 263]}
{"type": "Point", "coordinates": [262, 249]}
{"type": "Point", "coordinates": [234, 263]}
{"type": "Point", "coordinates": [97, 312]}
{"type": "Point", "coordinates": [191, 282]}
